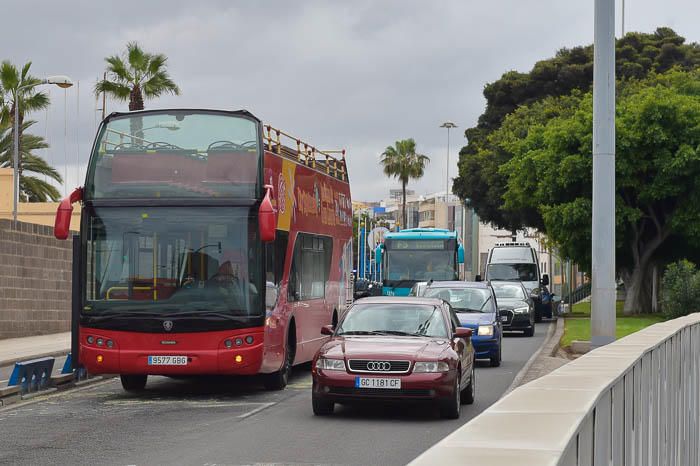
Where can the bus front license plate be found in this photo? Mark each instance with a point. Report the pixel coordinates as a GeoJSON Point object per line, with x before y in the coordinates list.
{"type": "Point", "coordinates": [167, 360]}
{"type": "Point", "coordinates": [375, 382]}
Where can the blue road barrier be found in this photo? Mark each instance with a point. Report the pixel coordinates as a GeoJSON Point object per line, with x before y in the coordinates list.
{"type": "Point", "coordinates": [80, 372]}
{"type": "Point", "coordinates": [32, 375]}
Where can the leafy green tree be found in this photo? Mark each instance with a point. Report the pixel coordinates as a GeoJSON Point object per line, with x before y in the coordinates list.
{"type": "Point", "coordinates": [680, 289]}
{"type": "Point", "coordinates": [135, 75]}
{"type": "Point", "coordinates": [32, 188]}
{"type": "Point", "coordinates": [401, 161]}
{"type": "Point", "coordinates": [657, 174]}
{"type": "Point", "coordinates": [18, 86]}
{"type": "Point", "coordinates": [480, 178]}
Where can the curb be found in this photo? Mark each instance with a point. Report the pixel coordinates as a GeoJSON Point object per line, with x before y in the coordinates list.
{"type": "Point", "coordinates": [48, 354]}
{"type": "Point", "coordinates": [549, 346]}
{"type": "Point", "coordinates": [35, 397]}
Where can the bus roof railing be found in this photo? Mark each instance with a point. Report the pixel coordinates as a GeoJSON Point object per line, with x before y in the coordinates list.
{"type": "Point", "coordinates": [322, 160]}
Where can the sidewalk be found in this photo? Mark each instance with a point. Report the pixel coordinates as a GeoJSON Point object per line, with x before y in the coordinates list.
{"type": "Point", "coordinates": [22, 349]}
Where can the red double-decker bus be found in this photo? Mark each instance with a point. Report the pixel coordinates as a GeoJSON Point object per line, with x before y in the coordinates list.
{"type": "Point", "coordinates": [209, 244]}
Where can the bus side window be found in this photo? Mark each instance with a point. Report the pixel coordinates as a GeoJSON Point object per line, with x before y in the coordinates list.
{"type": "Point", "coordinates": [310, 267]}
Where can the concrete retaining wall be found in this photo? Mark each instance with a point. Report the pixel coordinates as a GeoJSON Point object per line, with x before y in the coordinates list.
{"type": "Point", "coordinates": [35, 280]}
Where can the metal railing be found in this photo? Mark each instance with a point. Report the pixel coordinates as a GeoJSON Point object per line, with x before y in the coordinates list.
{"type": "Point", "coordinates": [633, 402]}
{"type": "Point", "coordinates": [323, 160]}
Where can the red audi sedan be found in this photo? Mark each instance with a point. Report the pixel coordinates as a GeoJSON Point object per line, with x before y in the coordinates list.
{"type": "Point", "coordinates": [395, 349]}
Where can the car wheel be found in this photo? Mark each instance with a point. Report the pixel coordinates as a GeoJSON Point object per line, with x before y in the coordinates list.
{"type": "Point", "coordinates": [133, 383]}
{"type": "Point", "coordinates": [320, 406]}
{"type": "Point", "coordinates": [469, 393]}
{"type": "Point", "coordinates": [278, 380]}
{"type": "Point", "coordinates": [452, 406]}
{"type": "Point", "coordinates": [530, 331]}
{"type": "Point", "coordinates": [496, 359]}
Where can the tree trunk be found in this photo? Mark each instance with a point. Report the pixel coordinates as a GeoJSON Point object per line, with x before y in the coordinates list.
{"type": "Point", "coordinates": [638, 280]}
{"type": "Point", "coordinates": [403, 188]}
{"type": "Point", "coordinates": [136, 123]}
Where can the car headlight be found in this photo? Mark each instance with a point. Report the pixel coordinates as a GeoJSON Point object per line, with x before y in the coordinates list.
{"type": "Point", "coordinates": [485, 330]}
{"type": "Point", "coordinates": [330, 364]}
{"type": "Point", "coordinates": [521, 310]}
{"type": "Point", "coordinates": [431, 366]}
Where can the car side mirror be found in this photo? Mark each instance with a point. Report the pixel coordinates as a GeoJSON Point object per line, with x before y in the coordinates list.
{"type": "Point", "coordinates": [327, 330]}
{"type": "Point", "coordinates": [477, 278]}
{"type": "Point", "coordinates": [463, 332]}
{"type": "Point", "coordinates": [545, 279]}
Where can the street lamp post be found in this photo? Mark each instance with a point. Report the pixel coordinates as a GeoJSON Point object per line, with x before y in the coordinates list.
{"type": "Point", "coordinates": [449, 125]}
{"type": "Point", "coordinates": [60, 81]}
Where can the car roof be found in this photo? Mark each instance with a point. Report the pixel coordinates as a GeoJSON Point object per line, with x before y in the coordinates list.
{"type": "Point", "coordinates": [458, 284]}
{"type": "Point", "coordinates": [416, 300]}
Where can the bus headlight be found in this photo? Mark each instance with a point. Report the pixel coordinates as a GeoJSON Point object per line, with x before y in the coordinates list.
{"type": "Point", "coordinates": [485, 330]}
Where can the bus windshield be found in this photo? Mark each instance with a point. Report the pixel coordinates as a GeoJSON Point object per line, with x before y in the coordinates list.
{"type": "Point", "coordinates": [420, 265]}
{"type": "Point", "coordinates": [168, 260]}
{"type": "Point", "coordinates": [176, 154]}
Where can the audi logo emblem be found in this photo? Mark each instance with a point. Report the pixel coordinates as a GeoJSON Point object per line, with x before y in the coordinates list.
{"type": "Point", "coordinates": [378, 366]}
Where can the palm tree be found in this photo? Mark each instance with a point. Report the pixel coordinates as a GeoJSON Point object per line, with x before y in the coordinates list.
{"type": "Point", "coordinates": [32, 189]}
{"type": "Point", "coordinates": [401, 161]}
{"type": "Point", "coordinates": [17, 86]}
{"type": "Point", "coordinates": [136, 75]}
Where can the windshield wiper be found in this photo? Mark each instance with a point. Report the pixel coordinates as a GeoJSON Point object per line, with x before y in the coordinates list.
{"type": "Point", "coordinates": [482, 306]}
{"type": "Point", "coordinates": [399, 332]}
{"type": "Point", "coordinates": [466, 309]}
{"type": "Point", "coordinates": [360, 332]}
{"type": "Point", "coordinates": [120, 315]}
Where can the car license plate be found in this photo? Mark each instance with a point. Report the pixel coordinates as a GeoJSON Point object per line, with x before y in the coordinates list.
{"type": "Point", "coordinates": [504, 318]}
{"type": "Point", "coordinates": [167, 360]}
{"type": "Point", "coordinates": [375, 382]}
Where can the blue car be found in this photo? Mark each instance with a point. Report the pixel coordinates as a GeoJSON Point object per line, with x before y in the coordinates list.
{"type": "Point", "coordinates": [476, 308]}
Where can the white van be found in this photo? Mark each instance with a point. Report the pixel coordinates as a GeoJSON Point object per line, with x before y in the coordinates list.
{"type": "Point", "coordinates": [519, 262]}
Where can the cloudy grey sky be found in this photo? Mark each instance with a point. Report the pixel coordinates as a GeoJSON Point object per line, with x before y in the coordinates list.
{"type": "Point", "coordinates": [353, 74]}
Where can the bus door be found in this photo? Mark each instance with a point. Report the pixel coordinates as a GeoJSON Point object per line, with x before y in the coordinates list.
{"type": "Point", "coordinates": [308, 283]}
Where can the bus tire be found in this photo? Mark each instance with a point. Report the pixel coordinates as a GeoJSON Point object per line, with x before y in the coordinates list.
{"type": "Point", "coordinates": [278, 380]}
{"type": "Point", "coordinates": [133, 383]}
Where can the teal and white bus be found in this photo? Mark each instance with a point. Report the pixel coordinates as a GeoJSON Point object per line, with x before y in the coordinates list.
{"type": "Point", "coordinates": [418, 255]}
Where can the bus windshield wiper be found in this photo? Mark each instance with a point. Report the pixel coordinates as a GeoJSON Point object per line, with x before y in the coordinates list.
{"type": "Point", "coordinates": [199, 313]}
{"type": "Point", "coordinates": [116, 314]}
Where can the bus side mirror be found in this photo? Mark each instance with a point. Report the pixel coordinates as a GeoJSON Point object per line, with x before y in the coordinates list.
{"type": "Point", "coordinates": [545, 279]}
{"type": "Point", "coordinates": [64, 214]}
{"type": "Point", "coordinates": [267, 220]}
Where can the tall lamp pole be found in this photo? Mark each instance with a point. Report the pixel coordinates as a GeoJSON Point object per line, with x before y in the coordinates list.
{"type": "Point", "coordinates": [449, 125]}
{"type": "Point", "coordinates": [60, 81]}
{"type": "Point", "coordinates": [603, 221]}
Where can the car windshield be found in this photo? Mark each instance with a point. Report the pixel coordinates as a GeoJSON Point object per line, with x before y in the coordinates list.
{"type": "Point", "coordinates": [508, 291]}
{"type": "Point", "coordinates": [175, 154]}
{"type": "Point", "coordinates": [394, 319]}
{"type": "Point", "coordinates": [463, 299]}
{"type": "Point", "coordinates": [512, 272]}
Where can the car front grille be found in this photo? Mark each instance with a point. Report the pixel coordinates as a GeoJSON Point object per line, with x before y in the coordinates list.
{"type": "Point", "coordinates": [509, 317]}
{"type": "Point", "coordinates": [371, 366]}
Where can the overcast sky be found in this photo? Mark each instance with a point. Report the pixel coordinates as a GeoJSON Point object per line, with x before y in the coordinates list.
{"type": "Point", "coordinates": [352, 74]}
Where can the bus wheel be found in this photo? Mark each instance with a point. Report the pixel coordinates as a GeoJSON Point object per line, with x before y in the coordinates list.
{"type": "Point", "coordinates": [278, 380]}
{"type": "Point", "coordinates": [134, 383]}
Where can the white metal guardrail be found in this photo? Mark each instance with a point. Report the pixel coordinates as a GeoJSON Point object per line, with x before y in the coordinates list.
{"type": "Point", "coordinates": [633, 402]}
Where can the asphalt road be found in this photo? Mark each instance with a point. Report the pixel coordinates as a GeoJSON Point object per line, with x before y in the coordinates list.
{"type": "Point", "coordinates": [218, 421]}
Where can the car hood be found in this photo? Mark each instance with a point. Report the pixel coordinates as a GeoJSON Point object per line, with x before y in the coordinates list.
{"type": "Point", "coordinates": [474, 319]}
{"type": "Point", "coordinates": [529, 286]}
{"type": "Point", "coordinates": [505, 303]}
{"type": "Point", "coordinates": [368, 347]}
